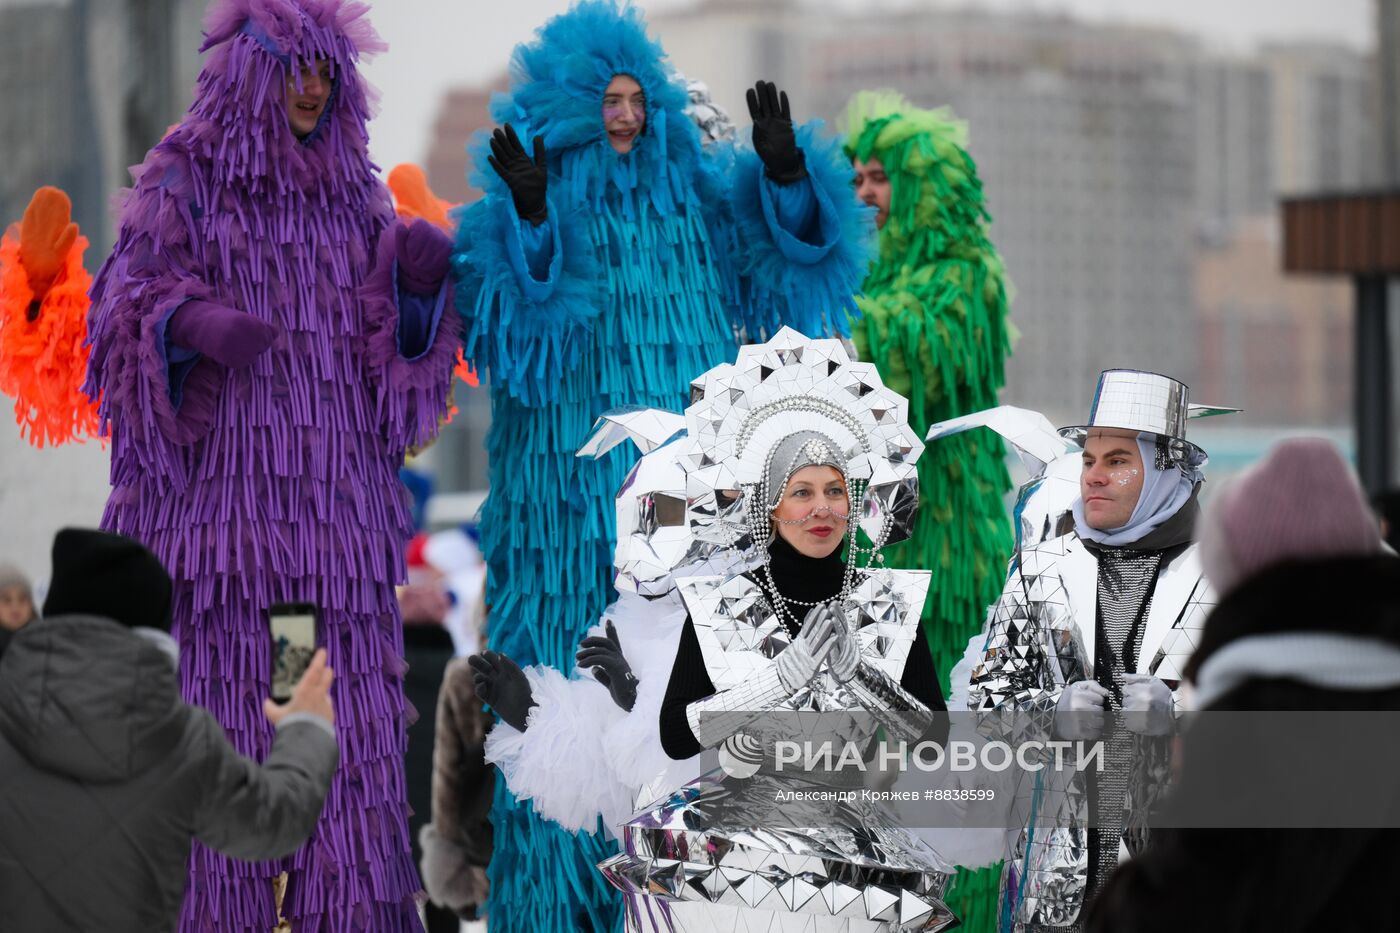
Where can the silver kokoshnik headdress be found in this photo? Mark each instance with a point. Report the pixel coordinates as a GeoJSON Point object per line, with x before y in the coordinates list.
{"type": "Point", "coordinates": [751, 424]}
{"type": "Point", "coordinates": [789, 403]}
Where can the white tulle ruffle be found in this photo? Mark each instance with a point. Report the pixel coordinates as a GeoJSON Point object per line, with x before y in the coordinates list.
{"type": "Point", "coordinates": [581, 757]}
{"type": "Point", "coordinates": [559, 763]}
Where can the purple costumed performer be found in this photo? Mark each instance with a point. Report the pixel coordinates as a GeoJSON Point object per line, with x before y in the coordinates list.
{"type": "Point", "coordinates": [265, 356]}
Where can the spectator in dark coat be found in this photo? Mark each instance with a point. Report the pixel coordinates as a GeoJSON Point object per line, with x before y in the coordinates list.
{"type": "Point", "coordinates": [457, 843]}
{"type": "Point", "coordinates": [16, 603]}
{"type": "Point", "coordinates": [106, 776]}
{"type": "Point", "coordinates": [427, 647]}
{"type": "Point", "coordinates": [1308, 619]}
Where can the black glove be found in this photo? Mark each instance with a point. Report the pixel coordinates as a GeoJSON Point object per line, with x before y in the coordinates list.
{"type": "Point", "coordinates": [773, 136]}
{"type": "Point", "coordinates": [501, 684]}
{"type": "Point", "coordinates": [605, 656]}
{"type": "Point", "coordinates": [527, 180]}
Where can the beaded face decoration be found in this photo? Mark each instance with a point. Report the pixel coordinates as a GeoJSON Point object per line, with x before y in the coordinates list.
{"type": "Point", "coordinates": [782, 405]}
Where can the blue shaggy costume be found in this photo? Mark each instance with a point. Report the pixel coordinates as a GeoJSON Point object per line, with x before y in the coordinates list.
{"type": "Point", "coordinates": [649, 267]}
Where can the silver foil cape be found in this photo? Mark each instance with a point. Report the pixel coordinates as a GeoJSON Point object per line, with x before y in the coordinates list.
{"type": "Point", "coordinates": [1052, 466]}
{"type": "Point", "coordinates": [653, 534]}
{"type": "Point", "coordinates": [705, 857]}
{"type": "Point", "coordinates": [1040, 637]}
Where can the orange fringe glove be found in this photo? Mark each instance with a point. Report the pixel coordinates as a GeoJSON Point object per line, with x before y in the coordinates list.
{"type": "Point", "coordinates": [413, 199]}
{"type": "Point", "coordinates": [43, 323]}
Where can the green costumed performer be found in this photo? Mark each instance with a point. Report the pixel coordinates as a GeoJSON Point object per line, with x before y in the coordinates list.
{"type": "Point", "coordinates": [934, 323]}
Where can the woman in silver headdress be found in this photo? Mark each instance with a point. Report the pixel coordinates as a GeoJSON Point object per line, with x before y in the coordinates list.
{"type": "Point", "coordinates": [803, 464]}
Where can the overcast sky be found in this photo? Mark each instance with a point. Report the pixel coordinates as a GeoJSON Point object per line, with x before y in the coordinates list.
{"type": "Point", "coordinates": [437, 44]}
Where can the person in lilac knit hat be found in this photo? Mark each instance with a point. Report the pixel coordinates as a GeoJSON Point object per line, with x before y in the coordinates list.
{"type": "Point", "coordinates": [1300, 502]}
{"type": "Point", "coordinates": [1308, 620]}
{"type": "Point", "coordinates": [267, 342]}
{"type": "Point", "coordinates": [1294, 532]}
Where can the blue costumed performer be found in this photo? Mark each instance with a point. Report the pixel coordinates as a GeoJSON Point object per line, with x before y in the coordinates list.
{"type": "Point", "coordinates": [268, 342]}
{"type": "Point", "coordinates": [611, 260]}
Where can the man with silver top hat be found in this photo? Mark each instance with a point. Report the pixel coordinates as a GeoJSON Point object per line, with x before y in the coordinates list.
{"type": "Point", "coordinates": [1095, 624]}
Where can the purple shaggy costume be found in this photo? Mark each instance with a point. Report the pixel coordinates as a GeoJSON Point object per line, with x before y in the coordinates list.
{"type": "Point", "coordinates": [278, 482]}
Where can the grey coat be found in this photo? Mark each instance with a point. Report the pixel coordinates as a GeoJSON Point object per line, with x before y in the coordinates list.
{"type": "Point", "coordinates": [106, 776]}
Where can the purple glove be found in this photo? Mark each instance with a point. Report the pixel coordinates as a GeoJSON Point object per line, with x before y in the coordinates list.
{"type": "Point", "coordinates": [224, 335]}
{"type": "Point", "coordinates": [422, 251]}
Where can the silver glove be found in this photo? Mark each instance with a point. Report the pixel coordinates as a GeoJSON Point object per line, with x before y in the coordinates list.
{"type": "Point", "coordinates": [799, 662]}
{"type": "Point", "coordinates": [898, 710]}
{"type": "Point", "coordinates": [844, 658]}
{"type": "Point", "coordinates": [1080, 712]}
{"type": "Point", "coordinates": [1147, 705]}
{"type": "Point", "coordinates": [717, 717]}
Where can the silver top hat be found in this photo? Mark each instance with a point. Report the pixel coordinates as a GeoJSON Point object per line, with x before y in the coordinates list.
{"type": "Point", "coordinates": [1149, 403]}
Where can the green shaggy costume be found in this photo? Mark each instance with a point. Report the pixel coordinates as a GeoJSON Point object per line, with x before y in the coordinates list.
{"type": "Point", "coordinates": [934, 322]}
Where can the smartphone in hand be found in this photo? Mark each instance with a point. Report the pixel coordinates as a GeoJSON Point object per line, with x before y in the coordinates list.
{"type": "Point", "coordinates": [293, 630]}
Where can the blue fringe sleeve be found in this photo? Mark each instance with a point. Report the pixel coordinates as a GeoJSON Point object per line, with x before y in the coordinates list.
{"type": "Point", "coordinates": [520, 331]}
{"type": "Point", "coordinates": [809, 285]}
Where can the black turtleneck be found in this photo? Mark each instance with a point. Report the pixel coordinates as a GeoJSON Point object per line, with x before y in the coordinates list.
{"type": "Point", "coordinates": [800, 578]}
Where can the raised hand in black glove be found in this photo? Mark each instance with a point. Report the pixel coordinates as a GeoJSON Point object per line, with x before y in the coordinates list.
{"type": "Point", "coordinates": [773, 135]}
{"type": "Point", "coordinates": [501, 684]}
{"type": "Point", "coordinates": [604, 655]}
{"type": "Point", "coordinates": [526, 178]}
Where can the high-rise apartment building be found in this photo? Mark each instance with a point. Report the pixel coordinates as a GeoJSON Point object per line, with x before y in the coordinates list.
{"type": "Point", "coordinates": [41, 130]}
{"type": "Point", "coordinates": [87, 87]}
{"type": "Point", "coordinates": [1387, 92]}
{"type": "Point", "coordinates": [1232, 104]}
{"type": "Point", "coordinates": [464, 112]}
{"type": "Point", "coordinates": [1132, 175]}
{"type": "Point", "coordinates": [1326, 132]}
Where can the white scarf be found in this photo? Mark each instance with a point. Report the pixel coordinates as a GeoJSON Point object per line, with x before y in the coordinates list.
{"type": "Point", "coordinates": [1321, 659]}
